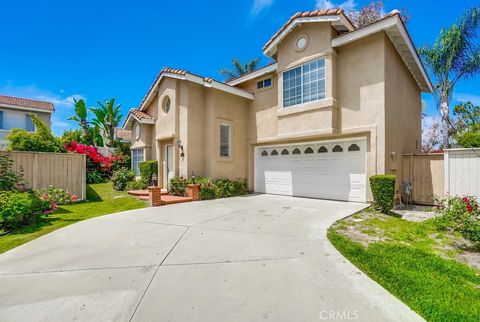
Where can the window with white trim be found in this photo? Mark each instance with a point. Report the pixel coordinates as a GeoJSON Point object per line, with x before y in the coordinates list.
{"type": "Point", "coordinates": [137, 157]}
{"type": "Point", "coordinates": [225, 140]}
{"type": "Point", "coordinates": [304, 84]}
{"type": "Point", "coordinates": [264, 83]}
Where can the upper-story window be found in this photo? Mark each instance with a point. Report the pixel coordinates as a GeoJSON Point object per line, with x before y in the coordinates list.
{"type": "Point", "coordinates": [264, 83]}
{"type": "Point", "coordinates": [16, 120]}
{"type": "Point", "coordinates": [304, 83]}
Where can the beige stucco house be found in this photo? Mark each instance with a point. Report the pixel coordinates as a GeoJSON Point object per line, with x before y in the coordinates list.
{"type": "Point", "coordinates": [338, 105]}
{"type": "Point", "coordinates": [14, 114]}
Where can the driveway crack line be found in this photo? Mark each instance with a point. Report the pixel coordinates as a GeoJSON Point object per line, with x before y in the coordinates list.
{"type": "Point", "coordinates": [155, 273]}
{"type": "Point", "coordinates": [76, 270]}
{"type": "Point", "coordinates": [238, 261]}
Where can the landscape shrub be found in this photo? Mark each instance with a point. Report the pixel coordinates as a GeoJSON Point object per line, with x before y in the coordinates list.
{"type": "Point", "coordinates": [147, 169]}
{"type": "Point", "coordinates": [136, 185]}
{"type": "Point", "coordinates": [121, 178]}
{"type": "Point", "coordinates": [229, 188]}
{"type": "Point", "coordinates": [207, 189]}
{"type": "Point", "coordinates": [94, 176]}
{"type": "Point", "coordinates": [9, 179]}
{"type": "Point", "coordinates": [383, 190]}
{"type": "Point", "coordinates": [178, 186]}
{"type": "Point", "coordinates": [42, 140]}
{"type": "Point", "coordinates": [19, 208]}
{"type": "Point", "coordinates": [462, 215]}
{"type": "Point", "coordinates": [58, 195]}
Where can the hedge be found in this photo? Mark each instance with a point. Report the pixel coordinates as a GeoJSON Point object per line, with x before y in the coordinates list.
{"type": "Point", "coordinates": [383, 190]}
{"type": "Point", "coordinates": [147, 169]}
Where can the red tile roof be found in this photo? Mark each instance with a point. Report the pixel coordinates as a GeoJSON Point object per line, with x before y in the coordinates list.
{"type": "Point", "coordinates": [182, 72]}
{"type": "Point", "coordinates": [140, 115]}
{"type": "Point", "coordinates": [24, 102]}
{"type": "Point", "coordinates": [313, 13]}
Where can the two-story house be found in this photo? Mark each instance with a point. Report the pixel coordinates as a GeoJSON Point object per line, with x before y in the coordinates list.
{"type": "Point", "coordinates": [14, 114]}
{"type": "Point", "coordinates": [338, 105]}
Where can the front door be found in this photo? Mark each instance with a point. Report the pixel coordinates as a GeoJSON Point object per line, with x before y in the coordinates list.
{"type": "Point", "coordinates": [169, 173]}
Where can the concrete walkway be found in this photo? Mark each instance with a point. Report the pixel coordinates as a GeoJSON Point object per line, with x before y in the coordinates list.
{"type": "Point", "coordinates": [251, 258]}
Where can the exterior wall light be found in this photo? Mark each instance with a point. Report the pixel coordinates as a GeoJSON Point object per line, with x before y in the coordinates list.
{"type": "Point", "coordinates": [180, 146]}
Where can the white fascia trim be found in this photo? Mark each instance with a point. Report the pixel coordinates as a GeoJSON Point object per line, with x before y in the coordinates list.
{"type": "Point", "coordinates": [271, 49]}
{"type": "Point", "coordinates": [395, 22]}
{"type": "Point", "coordinates": [258, 73]}
{"type": "Point", "coordinates": [23, 108]}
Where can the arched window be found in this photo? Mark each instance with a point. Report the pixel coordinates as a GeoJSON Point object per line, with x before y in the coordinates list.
{"type": "Point", "coordinates": [285, 152]}
{"type": "Point", "coordinates": [274, 152]}
{"type": "Point", "coordinates": [322, 149]}
{"type": "Point", "coordinates": [337, 148]}
{"type": "Point", "coordinates": [308, 150]}
{"type": "Point", "coordinates": [354, 147]}
{"type": "Point", "coordinates": [296, 151]}
{"type": "Point", "coordinates": [264, 153]}
{"type": "Point", "coordinates": [166, 104]}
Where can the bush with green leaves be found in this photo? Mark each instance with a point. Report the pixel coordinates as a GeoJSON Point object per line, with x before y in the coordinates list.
{"type": "Point", "coordinates": [147, 170]}
{"type": "Point", "coordinates": [42, 140]}
{"type": "Point", "coordinates": [58, 195]}
{"type": "Point", "coordinates": [383, 190]}
{"type": "Point", "coordinates": [136, 185]}
{"type": "Point", "coordinates": [207, 189]}
{"type": "Point", "coordinates": [178, 186]}
{"type": "Point", "coordinates": [230, 188]}
{"type": "Point", "coordinates": [462, 215]}
{"type": "Point", "coordinates": [19, 208]}
{"type": "Point", "coordinates": [9, 179]}
{"type": "Point", "coordinates": [121, 178]}
{"type": "Point", "coordinates": [95, 176]}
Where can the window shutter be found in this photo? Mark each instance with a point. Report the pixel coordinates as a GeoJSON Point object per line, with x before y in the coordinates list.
{"type": "Point", "coordinates": [1, 119]}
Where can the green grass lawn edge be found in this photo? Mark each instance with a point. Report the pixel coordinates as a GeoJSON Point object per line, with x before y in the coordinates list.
{"type": "Point", "coordinates": [101, 200]}
{"type": "Point", "coordinates": [438, 289]}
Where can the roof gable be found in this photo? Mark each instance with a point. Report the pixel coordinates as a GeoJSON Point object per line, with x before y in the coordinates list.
{"type": "Point", "coordinates": [25, 103]}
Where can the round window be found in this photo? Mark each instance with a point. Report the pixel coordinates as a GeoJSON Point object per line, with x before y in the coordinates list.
{"type": "Point", "coordinates": [137, 131]}
{"type": "Point", "coordinates": [166, 104]}
{"type": "Point", "coordinates": [302, 42]}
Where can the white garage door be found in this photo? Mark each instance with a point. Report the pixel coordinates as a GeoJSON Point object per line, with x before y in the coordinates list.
{"type": "Point", "coordinates": [328, 170]}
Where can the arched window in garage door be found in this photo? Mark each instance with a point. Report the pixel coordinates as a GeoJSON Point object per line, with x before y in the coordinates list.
{"type": "Point", "coordinates": [337, 148]}
{"type": "Point", "coordinates": [353, 147]}
{"type": "Point", "coordinates": [296, 151]}
{"type": "Point", "coordinates": [322, 149]}
{"type": "Point", "coordinates": [308, 150]}
{"type": "Point", "coordinates": [264, 153]}
{"type": "Point", "coordinates": [274, 152]}
{"type": "Point", "coordinates": [285, 152]}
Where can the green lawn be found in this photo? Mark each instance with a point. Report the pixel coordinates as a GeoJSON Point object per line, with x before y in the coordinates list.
{"type": "Point", "coordinates": [414, 262]}
{"type": "Point", "coordinates": [102, 200]}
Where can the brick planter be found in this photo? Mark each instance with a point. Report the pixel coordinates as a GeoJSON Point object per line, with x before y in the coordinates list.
{"type": "Point", "coordinates": [155, 196]}
{"type": "Point", "coordinates": [193, 191]}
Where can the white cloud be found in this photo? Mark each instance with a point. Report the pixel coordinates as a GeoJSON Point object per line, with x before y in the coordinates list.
{"type": "Point", "coordinates": [348, 5]}
{"type": "Point", "coordinates": [260, 5]}
{"type": "Point", "coordinates": [63, 103]}
{"type": "Point", "coordinates": [466, 97]}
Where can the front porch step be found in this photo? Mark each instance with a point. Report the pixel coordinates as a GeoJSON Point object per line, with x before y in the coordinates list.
{"type": "Point", "coordinates": [139, 193]}
{"type": "Point", "coordinates": [170, 200]}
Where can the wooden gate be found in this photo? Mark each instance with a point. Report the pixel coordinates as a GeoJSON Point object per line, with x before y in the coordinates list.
{"type": "Point", "coordinates": [425, 173]}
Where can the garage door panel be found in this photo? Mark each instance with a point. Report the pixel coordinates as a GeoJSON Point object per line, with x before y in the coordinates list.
{"type": "Point", "coordinates": [332, 175]}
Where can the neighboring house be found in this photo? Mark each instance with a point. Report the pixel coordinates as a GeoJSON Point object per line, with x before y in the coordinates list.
{"type": "Point", "coordinates": [338, 105]}
{"type": "Point", "coordinates": [14, 115]}
{"type": "Point", "coordinates": [124, 136]}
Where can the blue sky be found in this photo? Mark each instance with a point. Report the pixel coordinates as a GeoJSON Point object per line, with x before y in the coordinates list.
{"type": "Point", "coordinates": [58, 50]}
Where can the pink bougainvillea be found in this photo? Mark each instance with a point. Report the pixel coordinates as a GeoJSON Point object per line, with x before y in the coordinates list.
{"type": "Point", "coordinates": [104, 162]}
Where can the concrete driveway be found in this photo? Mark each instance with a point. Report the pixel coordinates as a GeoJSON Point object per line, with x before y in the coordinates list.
{"type": "Point", "coordinates": [252, 258]}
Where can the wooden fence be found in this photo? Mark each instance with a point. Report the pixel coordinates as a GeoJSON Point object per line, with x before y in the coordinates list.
{"type": "Point", "coordinates": [61, 170]}
{"type": "Point", "coordinates": [425, 174]}
{"type": "Point", "coordinates": [462, 172]}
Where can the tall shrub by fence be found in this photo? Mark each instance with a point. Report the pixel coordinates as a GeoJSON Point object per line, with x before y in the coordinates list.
{"type": "Point", "coordinates": [61, 170]}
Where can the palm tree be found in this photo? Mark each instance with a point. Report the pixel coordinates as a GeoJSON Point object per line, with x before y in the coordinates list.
{"type": "Point", "coordinates": [453, 56]}
{"type": "Point", "coordinates": [107, 118]}
{"type": "Point", "coordinates": [81, 117]}
{"type": "Point", "coordinates": [240, 69]}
